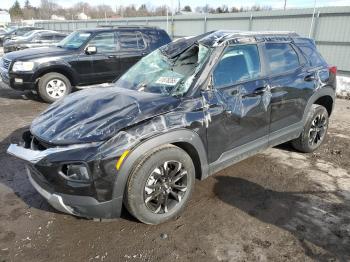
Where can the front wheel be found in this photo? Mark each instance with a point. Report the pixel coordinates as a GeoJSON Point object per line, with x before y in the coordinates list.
{"type": "Point", "coordinates": [53, 86]}
{"type": "Point", "coordinates": [160, 185]}
{"type": "Point", "coordinates": [314, 131]}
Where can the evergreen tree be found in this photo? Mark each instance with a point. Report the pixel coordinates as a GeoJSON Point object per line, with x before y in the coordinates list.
{"type": "Point", "coordinates": [16, 11]}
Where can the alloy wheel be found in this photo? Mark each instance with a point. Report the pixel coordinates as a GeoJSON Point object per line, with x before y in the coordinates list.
{"type": "Point", "coordinates": [165, 187]}
{"type": "Point", "coordinates": [56, 88]}
{"type": "Point", "coordinates": [318, 129]}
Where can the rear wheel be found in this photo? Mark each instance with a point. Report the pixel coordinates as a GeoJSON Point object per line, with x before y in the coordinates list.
{"type": "Point", "coordinates": [53, 86]}
{"type": "Point", "coordinates": [314, 131]}
{"type": "Point", "coordinates": [160, 185]}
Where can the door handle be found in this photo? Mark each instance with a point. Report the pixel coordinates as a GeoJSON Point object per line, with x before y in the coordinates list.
{"type": "Point", "coordinates": [112, 56]}
{"type": "Point", "coordinates": [309, 78]}
{"type": "Point", "coordinates": [261, 90]}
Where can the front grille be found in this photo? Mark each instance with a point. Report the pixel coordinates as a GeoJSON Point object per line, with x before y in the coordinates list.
{"type": "Point", "coordinates": [37, 144]}
{"type": "Point", "coordinates": [6, 63]}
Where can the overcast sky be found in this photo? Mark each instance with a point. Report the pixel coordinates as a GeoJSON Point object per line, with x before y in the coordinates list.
{"type": "Point", "coordinates": [276, 4]}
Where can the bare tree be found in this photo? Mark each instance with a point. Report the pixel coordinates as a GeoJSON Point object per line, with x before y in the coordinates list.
{"type": "Point", "coordinates": [47, 9]}
{"type": "Point", "coordinates": [161, 10]}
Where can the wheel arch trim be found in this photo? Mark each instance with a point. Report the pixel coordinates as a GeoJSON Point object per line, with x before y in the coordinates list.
{"type": "Point", "coordinates": [325, 91]}
{"type": "Point", "coordinates": [60, 69]}
{"type": "Point", "coordinates": [175, 136]}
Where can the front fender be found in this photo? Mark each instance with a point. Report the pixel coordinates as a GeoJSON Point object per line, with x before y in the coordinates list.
{"type": "Point", "coordinates": [56, 66]}
{"type": "Point", "coordinates": [179, 135]}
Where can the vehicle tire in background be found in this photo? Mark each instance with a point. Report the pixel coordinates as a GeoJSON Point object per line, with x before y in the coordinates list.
{"type": "Point", "coordinates": [53, 86]}
{"type": "Point", "coordinates": [160, 185]}
{"type": "Point", "coordinates": [314, 131]}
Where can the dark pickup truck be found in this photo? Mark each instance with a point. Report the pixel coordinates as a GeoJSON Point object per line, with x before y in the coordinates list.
{"type": "Point", "coordinates": [85, 57]}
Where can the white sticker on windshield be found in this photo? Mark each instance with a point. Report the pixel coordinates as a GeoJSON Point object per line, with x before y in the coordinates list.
{"type": "Point", "coordinates": [167, 80]}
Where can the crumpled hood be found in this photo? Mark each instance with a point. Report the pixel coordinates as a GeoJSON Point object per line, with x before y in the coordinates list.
{"type": "Point", "coordinates": [97, 114]}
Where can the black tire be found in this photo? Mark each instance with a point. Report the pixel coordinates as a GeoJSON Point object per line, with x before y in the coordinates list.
{"type": "Point", "coordinates": [310, 140]}
{"type": "Point", "coordinates": [48, 96]}
{"type": "Point", "coordinates": [138, 194]}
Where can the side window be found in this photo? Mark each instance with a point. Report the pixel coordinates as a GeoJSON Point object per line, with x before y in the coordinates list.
{"type": "Point", "coordinates": [281, 57]}
{"type": "Point", "coordinates": [46, 37]}
{"type": "Point", "coordinates": [239, 63]}
{"type": "Point", "coordinates": [37, 37]}
{"type": "Point", "coordinates": [131, 40]}
{"type": "Point", "coordinates": [59, 37]}
{"type": "Point", "coordinates": [105, 42]}
{"type": "Point", "coordinates": [313, 56]}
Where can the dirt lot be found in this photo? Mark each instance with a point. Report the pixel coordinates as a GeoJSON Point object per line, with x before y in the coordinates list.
{"type": "Point", "coordinates": [277, 206]}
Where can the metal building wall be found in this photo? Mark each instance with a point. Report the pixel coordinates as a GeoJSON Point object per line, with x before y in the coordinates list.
{"type": "Point", "coordinates": [330, 27]}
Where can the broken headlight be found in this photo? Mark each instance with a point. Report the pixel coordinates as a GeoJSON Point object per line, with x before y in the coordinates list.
{"type": "Point", "coordinates": [75, 172]}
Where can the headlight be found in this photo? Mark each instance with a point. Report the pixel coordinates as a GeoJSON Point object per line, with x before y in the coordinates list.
{"type": "Point", "coordinates": [22, 66]}
{"type": "Point", "coordinates": [75, 172]}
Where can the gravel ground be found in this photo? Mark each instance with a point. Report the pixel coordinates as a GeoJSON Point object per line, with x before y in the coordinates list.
{"type": "Point", "coordinates": [276, 206]}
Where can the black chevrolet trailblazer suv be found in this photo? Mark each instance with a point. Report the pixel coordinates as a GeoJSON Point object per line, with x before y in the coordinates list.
{"type": "Point", "coordinates": [185, 111]}
{"type": "Point", "coordinates": [85, 57]}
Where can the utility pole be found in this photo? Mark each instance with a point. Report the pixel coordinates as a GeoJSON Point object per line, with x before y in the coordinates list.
{"type": "Point", "coordinates": [312, 20]}
{"type": "Point", "coordinates": [167, 19]}
{"type": "Point", "coordinates": [285, 5]}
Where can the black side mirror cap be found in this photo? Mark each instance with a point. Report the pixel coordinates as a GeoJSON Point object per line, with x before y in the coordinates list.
{"type": "Point", "coordinates": [90, 50]}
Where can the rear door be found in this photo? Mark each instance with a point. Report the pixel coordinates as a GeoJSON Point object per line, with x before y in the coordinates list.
{"type": "Point", "coordinates": [105, 64]}
{"type": "Point", "coordinates": [291, 85]}
{"type": "Point", "coordinates": [132, 47]}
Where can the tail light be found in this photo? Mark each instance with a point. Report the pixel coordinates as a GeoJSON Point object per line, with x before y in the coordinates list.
{"type": "Point", "coordinates": [333, 70]}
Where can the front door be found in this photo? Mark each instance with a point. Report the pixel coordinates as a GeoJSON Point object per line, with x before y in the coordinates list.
{"type": "Point", "coordinates": [239, 106]}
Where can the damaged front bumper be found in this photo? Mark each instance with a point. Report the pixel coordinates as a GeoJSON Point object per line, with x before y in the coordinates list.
{"type": "Point", "coordinates": [75, 198]}
{"type": "Point", "coordinates": [54, 200]}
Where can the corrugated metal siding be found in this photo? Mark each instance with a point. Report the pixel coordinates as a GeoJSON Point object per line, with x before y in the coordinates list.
{"type": "Point", "coordinates": [231, 24]}
{"type": "Point", "coordinates": [300, 25]}
{"type": "Point", "coordinates": [330, 27]}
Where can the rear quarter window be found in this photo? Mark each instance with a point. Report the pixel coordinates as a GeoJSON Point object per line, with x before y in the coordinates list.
{"type": "Point", "coordinates": [281, 57]}
{"type": "Point", "coordinates": [131, 41]}
{"type": "Point", "coordinates": [309, 50]}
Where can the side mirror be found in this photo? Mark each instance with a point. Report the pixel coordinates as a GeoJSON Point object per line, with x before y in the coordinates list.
{"type": "Point", "coordinates": [90, 50]}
